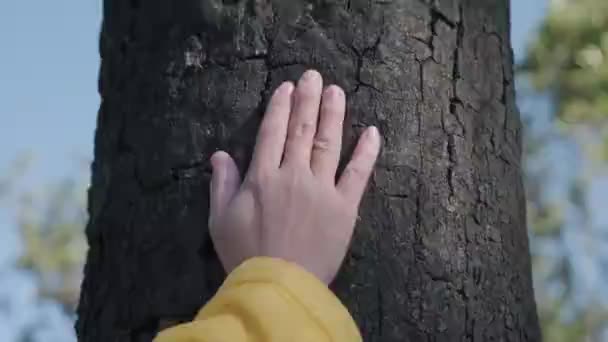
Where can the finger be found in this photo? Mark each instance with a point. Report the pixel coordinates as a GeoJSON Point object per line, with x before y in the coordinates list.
{"type": "Point", "coordinates": [273, 129]}
{"type": "Point", "coordinates": [328, 140]}
{"type": "Point", "coordinates": [303, 119]}
{"type": "Point", "coordinates": [225, 182]}
{"type": "Point", "coordinates": [354, 179]}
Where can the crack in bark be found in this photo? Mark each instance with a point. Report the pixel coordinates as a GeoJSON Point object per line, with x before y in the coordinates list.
{"type": "Point", "coordinates": [260, 108]}
{"type": "Point", "coordinates": [360, 56]}
{"type": "Point", "coordinates": [380, 310]}
{"type": "Point", "coordinates": [437, 15]}
{"type": "Point", "coordinates": [452, 162]}
{"type": "Point", "coordinates": [396, 195]}
{"type": "Point", "coordinates": [191, 170]}
{"type": "Point", "coordinates": [453, 107]}
{"type": "Point", "coordinates": [454, 100]}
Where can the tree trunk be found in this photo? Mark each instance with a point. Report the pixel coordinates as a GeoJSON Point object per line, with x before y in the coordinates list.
{"type": "Point", "coordinates": [440, 252]}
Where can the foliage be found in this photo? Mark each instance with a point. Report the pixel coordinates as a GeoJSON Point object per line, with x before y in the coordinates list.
{"type": "Point", "coordinates": [586, 327]}
{"type": "Point", "coordinates": [50, 222]}
{"type": "Point", "coordinates": [52, 231]}
{"type": "Point", "coordinates": [569, 58]}
{"type": "Point", "coordinates": [33, 308]}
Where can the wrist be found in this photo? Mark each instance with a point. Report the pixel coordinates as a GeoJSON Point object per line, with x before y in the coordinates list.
{"type": "Point", "coordinates": [302, 287]}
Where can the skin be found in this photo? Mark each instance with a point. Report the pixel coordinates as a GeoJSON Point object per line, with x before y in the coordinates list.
{"type": "Point", "coordinates": [289, 205]}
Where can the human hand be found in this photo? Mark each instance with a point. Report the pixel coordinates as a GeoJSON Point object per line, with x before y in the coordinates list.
{"type": "Point", "coordinates": [289, 205]}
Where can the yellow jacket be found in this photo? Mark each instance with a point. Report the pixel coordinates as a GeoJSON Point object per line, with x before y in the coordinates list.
{"type": "Point", "coordinates": [268, 300]}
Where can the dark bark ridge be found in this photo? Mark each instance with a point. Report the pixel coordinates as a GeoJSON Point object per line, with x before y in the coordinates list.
{"type": "Point", "coordinates": [440, 252]}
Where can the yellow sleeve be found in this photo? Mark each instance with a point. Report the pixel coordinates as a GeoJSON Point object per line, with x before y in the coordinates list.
{"type": "Point", "coordinates": [269, 300]}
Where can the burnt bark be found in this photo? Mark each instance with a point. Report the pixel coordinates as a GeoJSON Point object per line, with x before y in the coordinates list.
{"type": "Point", "coordinates": [440, 251]}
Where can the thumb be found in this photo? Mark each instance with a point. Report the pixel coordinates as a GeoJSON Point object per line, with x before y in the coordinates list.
{"type": "Point", "coordinates": [225, 182]}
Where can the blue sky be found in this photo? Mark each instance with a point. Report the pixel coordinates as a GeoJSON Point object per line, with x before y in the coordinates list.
{"type": "Point", "coordinates": [48, 80]}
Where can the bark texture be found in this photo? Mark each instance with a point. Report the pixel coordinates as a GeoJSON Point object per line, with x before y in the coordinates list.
{"type": "Point", "coordinates": [441, 250]}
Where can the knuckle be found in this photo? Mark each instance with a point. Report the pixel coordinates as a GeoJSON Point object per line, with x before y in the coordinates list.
{"type": "Point", "coordinates": [367, 152]}
{"type": "Point", "coordinates": [322, 144]}
{"type": "Point", "coordinates": [302, 129]}
{"type": "Point", "coordinates": [256, 179]}
{"type": "Point", "coordinates": [354, 171]}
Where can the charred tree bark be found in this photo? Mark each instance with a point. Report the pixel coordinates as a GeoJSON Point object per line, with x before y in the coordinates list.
{"type": "Point", "coordinates": [440, 252]}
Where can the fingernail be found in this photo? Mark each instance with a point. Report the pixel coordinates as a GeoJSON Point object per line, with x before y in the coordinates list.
{"type": "Point", "coordinates": [333, 91]}
{"type": "Point", "coordinates": [217, 159]}
{"type": "Point", "coordinates": [311, 75]}
{"type": "Point", "coordinates": [372, 132]}
{"type": "Point", "coordinates": [287, 87]}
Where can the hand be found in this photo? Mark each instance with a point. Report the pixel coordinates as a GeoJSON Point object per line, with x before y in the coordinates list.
{"type": "Point", "coordinates": [289, 205]}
